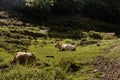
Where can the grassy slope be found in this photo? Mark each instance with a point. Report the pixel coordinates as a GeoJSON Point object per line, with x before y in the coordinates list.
{"type": "Point", "coordinates": [15, 34]}
{"type": "Point", "coordinates": [83, 57]}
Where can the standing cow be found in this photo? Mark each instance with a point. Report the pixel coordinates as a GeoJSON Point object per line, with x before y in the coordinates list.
{"type": "Point", "coordinates": [23, 58]}
{"type": "Point", "coordinates": [65, 47]}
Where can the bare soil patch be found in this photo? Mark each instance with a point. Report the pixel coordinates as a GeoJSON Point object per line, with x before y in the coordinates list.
{"type": "Point", "coordinates": [109, 69]}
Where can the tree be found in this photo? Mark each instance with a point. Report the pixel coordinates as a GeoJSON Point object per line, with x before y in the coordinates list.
{"type": "Point", "coordinates": [41, 5]}
{"type": "Point", "coordinates": [11, 3]}
{"type": "Point", "coordinates": [68, 6]}
{"type": "Point", "coordinates": [97, 9]}
{"type": "Point", "coordinates": [114, 5]}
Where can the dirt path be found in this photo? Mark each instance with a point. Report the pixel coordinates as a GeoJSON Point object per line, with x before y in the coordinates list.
{"type": "Point", "coordinates": [109, 69]}
{"type": "Point", "coordinates": [114, 48]}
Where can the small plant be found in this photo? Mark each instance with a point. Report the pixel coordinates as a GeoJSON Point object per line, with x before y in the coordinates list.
{"type": "Point", "coordinates": [64, 63]}
{"type": "Point", "coordinates": [69, 65]}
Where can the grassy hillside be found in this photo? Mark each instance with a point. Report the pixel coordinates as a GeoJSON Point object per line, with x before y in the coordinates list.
{"type": "Point", "coordinates": [20, 33]}
{"type": "Point", "coordinates": [16, 35]}
{"type": "Point", "coordinates": [68, 65]}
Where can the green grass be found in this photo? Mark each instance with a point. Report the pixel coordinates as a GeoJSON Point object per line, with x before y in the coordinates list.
{"type": "Point", "coordinates": [83, 57]}
{"type": "Point", "coordinates": [18, 38]}
{"type": "Point", "coordinates": [32, 73]}
{"type": "Point", "coordinates": [4, 56]}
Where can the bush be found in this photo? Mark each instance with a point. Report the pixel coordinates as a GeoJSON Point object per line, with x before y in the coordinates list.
{"type": "Point", "coordinates": [64, 63]}
{"type": "Point", "coordinates": [69, 65]}
{"type": "Point", "coordinates": [68, 41]}
{"type": "Point", "coordinates": [95, 35]}
{"type": "Point", "coordinates": [88, 42]}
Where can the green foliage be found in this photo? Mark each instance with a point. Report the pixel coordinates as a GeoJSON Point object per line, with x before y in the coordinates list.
{"type": "Point", "coordinates": [105, 10]}
{"type": "Point", "coordinates": [13, 3]}
{"type": "Point", "coordinates": [88, 42]}
{"type": "Point", "coordinates": [64, 6]}
{"type": "Point", "coordinates": [114, 6]}
{"type": "Point", "coordinates": [30, 73]}
{"type": "Point", "coordinates": [95, 35]}
{"type": "Point", "coordinates": [97, 9]}
{"type": "Point", "coordinates": [43, 6]}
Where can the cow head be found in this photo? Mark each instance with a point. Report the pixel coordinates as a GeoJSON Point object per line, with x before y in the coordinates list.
{"type": "Point", "coordinates": [12, 62]}
{"type": "Point", "coordinates": [58, 45]}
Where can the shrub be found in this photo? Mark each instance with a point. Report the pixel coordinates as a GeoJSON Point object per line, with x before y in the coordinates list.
{"type": "Point", "coordinates": [88, 42]}
{"type": "Point", "coordinates": [68, 41]}
{"type": "Point", "coordinates": [95, 35]}
{"type": "Point", "coordinates": [65, 63]}
{"type": "Point", "coordinates": [69, 65]}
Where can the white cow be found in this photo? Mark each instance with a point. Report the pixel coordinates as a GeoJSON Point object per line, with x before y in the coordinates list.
{"type": "Point", "coordinates": [65, 47]}
{"type": "Point", "coordinates": [23, 58]}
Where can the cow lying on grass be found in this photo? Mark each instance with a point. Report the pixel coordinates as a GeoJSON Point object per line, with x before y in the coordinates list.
{"type": "Point", "coordinates": [65, 47]}
{"type": "Point", "coordinates": [111, 35]}
{"type": "Point", "coordinates": [23, 58]}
